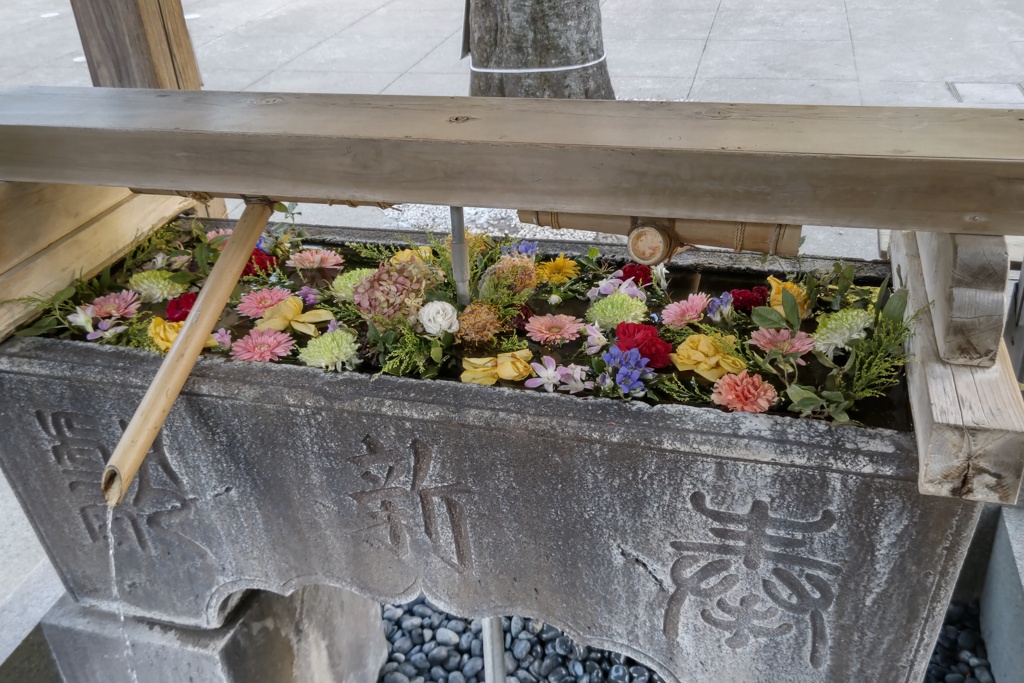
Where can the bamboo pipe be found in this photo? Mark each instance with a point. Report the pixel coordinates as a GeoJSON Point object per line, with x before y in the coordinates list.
{"type": "Point", "coordinates": [149, 417]}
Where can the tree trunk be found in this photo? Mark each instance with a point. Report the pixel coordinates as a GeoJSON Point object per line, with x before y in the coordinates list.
{"type": "Point", "coordinates": [538, 34]}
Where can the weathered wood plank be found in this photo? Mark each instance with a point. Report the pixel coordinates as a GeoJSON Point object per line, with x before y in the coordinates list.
{"type": "Point", "coordinates": [137, 44]}
{"type": "Point", "coordinates": [969, 421]}
{"type": "Point", "coordinates": [35, 215]}
{"type": "Point", "coordinates": [965, 278]}
{"type": "Point", "coordinates": [82, 253]}
{"type": "Point", "coordinates": [932, 169]}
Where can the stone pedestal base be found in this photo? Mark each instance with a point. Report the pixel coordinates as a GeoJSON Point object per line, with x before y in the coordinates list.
{"type": "Point", "coordinates": [318, 634]}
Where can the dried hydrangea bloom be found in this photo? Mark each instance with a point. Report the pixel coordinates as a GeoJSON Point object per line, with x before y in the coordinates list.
{"type": "Point", "coordinates": [513, 274]}
{"type": "Point", "coordinates": [393, 293]}
{"type": "Point", "coordinates": [478, 324]}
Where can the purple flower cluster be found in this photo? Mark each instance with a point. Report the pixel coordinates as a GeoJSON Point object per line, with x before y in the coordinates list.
{"type": "Point", "coordinates": [625, 372]}
{"type": "Point", "coordinates": [521, 249]}
{"type": "Point", "coordinates": [551, 376]}
{"type": "Point", "coordinates": [720, 308]}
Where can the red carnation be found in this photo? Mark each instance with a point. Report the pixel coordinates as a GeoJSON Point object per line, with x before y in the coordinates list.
{"type": "Point", "coordinates": [645, 339]}
{"type": "Point", "coordinates": [746, 300]}
{"type": "Point", "coordinates": [178, 309]}
{"type": "Point", "coordinates": [259, 262]}
{"type": "Point", "coordinates": [641, 274]}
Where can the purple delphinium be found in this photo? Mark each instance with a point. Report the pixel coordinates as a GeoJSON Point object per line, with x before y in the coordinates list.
{"type": "Point", "coordinates": [720, 308]}
{"type": "Point", "coordinates": [309, 295]}
{"type": "Point", "coordinates": [625, 372]}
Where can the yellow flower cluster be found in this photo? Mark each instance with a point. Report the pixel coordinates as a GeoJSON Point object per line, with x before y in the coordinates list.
{"type": "Point", "coordinates": [289, 313]}
{"type": "Point", "coordinates": [803, 304]}
{"type": "Point", "coordinates": [163, 334]}
{"type": "Point", "coordinates": [514, 366]}
{"type": "Point", "coordinates": [558, 271]}
{"type": "Point", "coordinates": [424, 254]}
{"type": "Point", "coordinates": [708, 356]}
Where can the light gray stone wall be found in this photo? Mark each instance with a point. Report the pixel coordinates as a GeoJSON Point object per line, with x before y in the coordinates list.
{"type": "Point", "coordinates": [1002, 605]}
{"type": "Point", "coordinates": [709, 546]}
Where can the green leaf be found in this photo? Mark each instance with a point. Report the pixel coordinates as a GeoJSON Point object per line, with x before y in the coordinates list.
{"type": "Point", "coordinates": [896, 307]}
{"type": "Point", "coordinates": [792, 310]}
{"type": "Point", "coordinates": [436, 353]}
{"type": "Point", "coordinates": [593, 253]}
{"type": "Point", "coordinates": [42, 326]}
{"type": "Point", "coordinates": [372, 333]}
{"type": "Point", "coordinates": [182, 278]}
{"type": "Point", "coordinates": [280, 208]}
{"type": "Point", "coordinates": [769, 318]}
{"type": "Point", "coordinates": [62, 296]}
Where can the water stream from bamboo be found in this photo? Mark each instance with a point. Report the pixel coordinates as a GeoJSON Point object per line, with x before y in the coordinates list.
{"type": "Point", "coordinates": [129, 652]}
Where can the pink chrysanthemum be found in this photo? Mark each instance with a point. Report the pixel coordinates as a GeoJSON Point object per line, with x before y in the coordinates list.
{"type": "Point", "coordinates": [682, 313]}
{"type": "Point", "coordinates": [553, 330]}
{"type": "Point", "coordinates": [118, 305]}
{"type": "Point", "coordinates": [744, 393]}
{"type": "Point", "coordinates": [262, 346]}
{"type": "Point", "coordinates": [314, 259]}
{"type": "Point", "coordinates": [254, 304]}
{"type": "Point", "coordinates": [784, 341]}
{"type": "Point", "coordinates": [213, 234]}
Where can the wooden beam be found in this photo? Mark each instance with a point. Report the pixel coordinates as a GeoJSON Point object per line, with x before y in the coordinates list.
{"type": "Point", "coordinates": [969, 421]}
{"type": "Point", "coordinates": [965, 279]}
{"type": "Point", "coordinates": [82, 253]}
{"type": "Point", "coordinates": [137, 44]}
{"type": "Point", "coordinates": [946, 170]}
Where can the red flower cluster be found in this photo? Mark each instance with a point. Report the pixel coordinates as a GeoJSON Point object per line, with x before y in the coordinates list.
{"type": "Point", "coordinates": [645, 339]}
{"type": "Point", "coordinates": [259, 262]}
{"type": "Point", "coordinates": [524, 315]}
{"type": "Point", "coordinates": [746, 300]}
{"type": "Point", "coordinates": [640, 273]}
{"type": "Point", "coordinates": [178, 309]}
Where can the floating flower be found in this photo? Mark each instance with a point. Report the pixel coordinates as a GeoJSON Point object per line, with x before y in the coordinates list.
{"type": "Point", "coordinates": [554, 300]}
{"type": "Point", "coordinates": [341, 288]}
{"type": "Point", "coordinates": [553, 330]}
{"type": "Point", "coordinates": [334, 350]}
{"type": "Point", "coordinates": [82, 317]}
{"type": "Point", "coordinates": [262, 346]}
{"type": "Point", "coordinates": [155, 285]}
{"type": "Point", "coordinates": [438, 317]}
{"type": "Point", "coordinates": [289, 313]}
{"type": "Point", "coordinates": [720, 308]}
{"type": "Point", "coordinates": [163, 334]}
{"type": "Point", "coordinates": [309, 296]}
{"type": "Point", "coordinates": [478, 324]}
{"type": "Point", "coordinates": [514, 366]}
{"type": "Point", "coordinates": [659, 274]}
{"type": "Point", "coordinates": [118, 305]}
{"type": "Point", "coordinates": [315, 259]}
{"type": "Point", "coordinates": [259, 262]}
{"type": "Point", "coordinates": [179, 308]}
{"type": "Point", "coordinates": [836, 330]}
{"type": "Point", "coordinates": [645, 339]}
{"type": "Point", "coordinates": [681, 313]}
{"type": "Point", "coordinates": [548, 375]}
{"type": "Point", "coordinates": [255, 304]}
{"type": "Point", "coordinates": [223, 338]}
{"type": "Point", "coordinates": [803, 304]}
{"type": "Point", "coordinates": [512, 274]}
{"type": "Point", "coordinates": [708, 356]}
{"type": "Point", "coordinates": [523, 248]}
{"type": "Point", "coordinates": [744, 393]}
{"type": "Point", "coordinates": [637, 272]}
{"type": "Point", "coordinates": [746, 300]}
{"type": "Point", "coordinates": [218, 238]}
{"type": "Point", "coordinates": [558, 272]}
{"type": "Point", "coordinates": [783, 340]}
{"type": "Point", "coordinates": [614, 284]}
{"type": "Point", "coordinates": [393, 293]}
{"type": "Point", "coordinates": [105, 330]}
{"type": "Point", "coordinates": [574, 379]}
{"type": "Point", "coordinates": [625, 371]}
{"type": "Point", "coordinates": [618, 308]}
{"type": "Point", "coordinates": [421, 254]}
{"type": "Point", "coordinates": [596, 341]}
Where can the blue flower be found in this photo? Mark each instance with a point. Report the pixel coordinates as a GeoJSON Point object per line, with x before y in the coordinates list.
{"type": "Point", "coordinates": [521, 248]}
{"type": "Point", "coordinates": [720, 308]}
{"type": "Point", "coordinates": [625, 371]}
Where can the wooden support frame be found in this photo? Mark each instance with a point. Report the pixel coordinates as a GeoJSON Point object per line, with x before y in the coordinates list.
{"type": "Point", "coordinates": [932, 169]}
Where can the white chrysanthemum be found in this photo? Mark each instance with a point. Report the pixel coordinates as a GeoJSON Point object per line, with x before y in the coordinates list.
{"type": "Point", "coordinates": [155, 285]}
{"type": "Point", "coordinates": [331, 351]}
{"type": "Point", "coordinates": [836, 330]}
{"type": "Point", "coordinates": [341, 288]}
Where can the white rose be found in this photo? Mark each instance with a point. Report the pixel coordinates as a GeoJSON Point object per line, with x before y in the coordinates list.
{"type": "Point", "coordinates": [554, 299]}
{"type": "Point", "coordinates": [438, 317]}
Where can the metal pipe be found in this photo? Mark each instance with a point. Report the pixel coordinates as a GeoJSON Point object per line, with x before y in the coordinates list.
{"type": "Point", "coordinates": [494, 650]}
{"type": "Point", "coordinates": [460, 256]}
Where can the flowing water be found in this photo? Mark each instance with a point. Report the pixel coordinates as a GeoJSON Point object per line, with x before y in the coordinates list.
{"type": "Point", "coordinates": [129, 652]}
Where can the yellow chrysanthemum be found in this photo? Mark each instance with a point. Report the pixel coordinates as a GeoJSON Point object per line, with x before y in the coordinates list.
{"type": "Point", "coordinates": [289, 313]}
{"type": "Point", "coordinates": [558, 271]}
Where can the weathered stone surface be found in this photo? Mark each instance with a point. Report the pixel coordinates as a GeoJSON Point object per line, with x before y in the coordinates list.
{"type": "Point", "coordinates": [709, 546]}
{"type": "Point", "coordinates": [1002, 604]}
{"type": "Point", "coordinates": [318, 634]}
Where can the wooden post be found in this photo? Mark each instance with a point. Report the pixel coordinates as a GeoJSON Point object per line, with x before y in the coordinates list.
{"type": "Point", "coordinates": [178, 363]}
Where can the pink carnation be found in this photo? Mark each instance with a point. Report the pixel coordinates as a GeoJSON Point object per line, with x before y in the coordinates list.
{"type": "Point", "coordinates": [254, 304]}
{"type": "Point", "coordinates": [118, 305]}
{"type": "Point", "coordinates": [682, 313]}
{"type": "Point", "coordinates": [744, 393]}
{"type": "Point", "coordinates": [553, 330]}
{"type": "Point", "coordinates": [314, 259]}
{"type": "Point", "coordinates": [262, 346]}
{"type": "Point", "coordinates": [784, 341]}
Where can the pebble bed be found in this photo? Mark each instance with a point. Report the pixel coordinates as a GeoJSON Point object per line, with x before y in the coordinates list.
{"type": "Point", "coordinates": [426, 644]}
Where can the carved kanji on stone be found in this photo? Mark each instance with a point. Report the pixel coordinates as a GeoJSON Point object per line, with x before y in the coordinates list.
{"type": "Point", "coordinates": [746, 541]}
{"type": "Point", "coordinates": [403, 502]}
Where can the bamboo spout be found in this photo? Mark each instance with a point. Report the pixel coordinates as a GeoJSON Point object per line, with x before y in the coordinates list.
{"type": "Point", "coordinates": [149, 417]}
